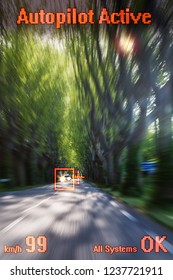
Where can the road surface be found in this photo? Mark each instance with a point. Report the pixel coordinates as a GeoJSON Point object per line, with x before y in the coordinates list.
{"type": "Point", "coordinates": [75, 223]}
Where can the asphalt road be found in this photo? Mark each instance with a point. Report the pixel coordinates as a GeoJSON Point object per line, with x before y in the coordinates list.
{"type": "Point", "coordinates": [74, 222]}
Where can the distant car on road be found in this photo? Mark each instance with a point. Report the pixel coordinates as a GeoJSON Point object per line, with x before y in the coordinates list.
{"type": "Point", "coordinates": [64, 178]}
{"type": "Point", "coordinates": [67, 177]}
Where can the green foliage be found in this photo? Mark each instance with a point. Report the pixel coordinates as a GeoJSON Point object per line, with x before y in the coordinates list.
{"type": "Point", "coordinates": [83, 99]}
{"type": "Point", "coordinates": [32, 95]}
{"type": "Point", "coordinates": [132, 183]}
{"type": "Point", "coordinates": [149, 151]}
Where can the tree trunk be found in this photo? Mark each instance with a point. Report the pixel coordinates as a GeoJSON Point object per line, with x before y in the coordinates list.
{"type": "Point", "coordinates": [19, 169]}
{"type": "Point", "coordinates": [132, 183]}
{"type": "Point", "coordinates": [164, 176]}
{"type": "Point", "coordinates": [111, 168]}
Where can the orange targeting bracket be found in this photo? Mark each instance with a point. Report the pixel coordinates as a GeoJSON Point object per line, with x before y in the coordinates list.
{"type": "Point", "coordinates": [78, 176]}
{"type": "Point", "coordinates": [55, 179]}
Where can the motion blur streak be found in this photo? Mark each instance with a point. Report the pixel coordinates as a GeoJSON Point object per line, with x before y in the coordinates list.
{"type": "Point", "coordinates": [95, 98]}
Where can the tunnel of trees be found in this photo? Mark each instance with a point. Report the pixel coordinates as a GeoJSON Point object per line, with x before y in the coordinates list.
{"type": "Point", "coordinates": [96, 97]}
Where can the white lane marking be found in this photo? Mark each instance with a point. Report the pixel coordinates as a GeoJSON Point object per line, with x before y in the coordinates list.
{"type": "Point", "coordinates": [168, 245]}
{"type": "Point", "coordinates": [37, 204]}
{"type": "Point", "coordinates": [151, 233]}
{"type": "Point", "coordinates": [128, 215]}
{"type": "Point", "coordinates": [113, 203]}
{"type": "Point", "coordinates": [7, 228]}
{"type": "Point", "coordinates": [7, 197]}
{"type": "Point", "coordinates": [44, 187]}
{"type": "Point", "coordinates": [4, 230]}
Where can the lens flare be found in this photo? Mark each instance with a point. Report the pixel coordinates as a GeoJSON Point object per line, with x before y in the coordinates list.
{"type": "Point", "coordinates": [125, 44]}
{"type": "Point", "coordinates": [62, 179]}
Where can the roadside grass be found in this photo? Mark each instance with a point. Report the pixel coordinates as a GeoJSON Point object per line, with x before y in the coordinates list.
{"type": "Point", "coordinates": [162, 214]}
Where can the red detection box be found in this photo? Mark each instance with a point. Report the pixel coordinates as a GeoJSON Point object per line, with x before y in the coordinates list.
{"type": "Point", "coordinates": [63, 169]}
